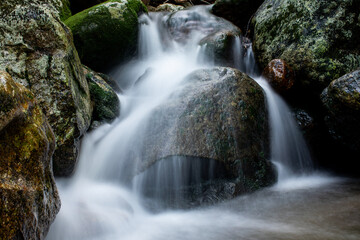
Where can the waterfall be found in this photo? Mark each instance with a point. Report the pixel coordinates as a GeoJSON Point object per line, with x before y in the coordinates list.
{"type": "Point", "coordinates": [103, 200]}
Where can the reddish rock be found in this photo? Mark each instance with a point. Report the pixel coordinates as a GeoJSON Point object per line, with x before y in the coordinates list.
{"type": "Point", "coordinates": [280, 75]}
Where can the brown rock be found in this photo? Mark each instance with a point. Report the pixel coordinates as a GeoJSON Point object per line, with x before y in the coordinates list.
{"type": "Point", "coordinates": [280, 75]}
{"type": "Point", "coordinates": [29, 199]}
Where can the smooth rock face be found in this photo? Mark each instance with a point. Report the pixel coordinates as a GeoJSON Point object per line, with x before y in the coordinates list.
{"type": "Point", "coordinates": [29, 199]}
{"type": "Point", "coordinates": [280, 75]}
{"type": "Point", "coordinates": [36, 49]}
{"type": "Point", "coordinates": [219, 115]}
{"type": "Point", "coordinates": [342, 101]}
{"type": "Point", "coordinates": [104, 99]}
{"type": "Point", "coordinates": [106, 34]}
{"type": "Point", "coordinates": [319, 39]}
{"type": "Point", "coordinates": [238, 12]}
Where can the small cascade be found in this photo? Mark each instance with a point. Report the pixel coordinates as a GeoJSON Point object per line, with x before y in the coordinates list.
{"type": "Point", "coordinates": [105, 198]}
{"type": "Point", "coordinates": [289, 151]}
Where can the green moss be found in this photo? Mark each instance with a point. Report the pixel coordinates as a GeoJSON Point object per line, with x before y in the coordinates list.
{"type": "Point", "coordinates": [106, 32]}
{"type": "Point", "coordinates": [65, 11]}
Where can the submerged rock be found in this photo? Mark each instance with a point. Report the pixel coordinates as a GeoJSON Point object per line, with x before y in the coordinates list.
{"type": "Point", "coordinates": [36, 49]}
{"type": "Point", "coordinates": [104, 99]}
{"type": "Point", "coordinates": [220, 114]}
{"type": "Point", "coordinates": [238, 12]}
{"type": "Point", "coordinates": [342, 102]}
{"type": "Point", "coordinates": [320, 39]}
{"type": "Point", "coordinates": [29, 199]}
{"type": "Point", "coordinates": [107, 33]}
{"type": "Point", "coordinates": [280, 75]}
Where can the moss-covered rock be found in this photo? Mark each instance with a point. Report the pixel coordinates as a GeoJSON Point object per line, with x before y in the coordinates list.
{"type": "Point", "coordinates": [36, 49]}
{"type": "Point", "coordinates": [105, 101]}
{"type": "Point", "coordinates": [320, 39]}
{"type": "Point", "coordinates": [107, 33]}
{"type": "Point", "coordinates": [221, 115]}
{"type": "Point", "coordinates": [29, 200]}
{"type": "Point", "coordinates": [342, 101]}
{"type": "Point", "coordinates": [238, 12]}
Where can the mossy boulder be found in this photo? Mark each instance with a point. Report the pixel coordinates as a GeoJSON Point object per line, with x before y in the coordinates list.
{"type": "Point", "coordinates": [220, 114]}
{"type": "Point", "coordinates": [238, 12]}
{"type": "Point", "coordinates": [106, 34]}
{"type": "Point", "coordinates": [36, 49]}
{"type": "Point", "coordinates": [320, 39]}
{"type": "Point", "coordinates": [104, 99]}
{"type": "Point", "coordinates": [29, 199]}
{"type": "Point", "coordinates": [342, 102]}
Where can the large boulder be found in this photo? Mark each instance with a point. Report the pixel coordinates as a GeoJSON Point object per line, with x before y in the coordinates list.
{"type": "Point", "coordinates": [29, 199]}
{"type": "Point", "coordinates": [320, 39]}
{"type": "Point", "coordinates": [106, 34]}
{"type": "Point", "coordinates": [342, 102]}
{"type": "Point", "coordinates": [238, 12]}
{"type": "Point", "coordinates": [36, 49]}
{"type": "Point", "coordinates": [220, 115]}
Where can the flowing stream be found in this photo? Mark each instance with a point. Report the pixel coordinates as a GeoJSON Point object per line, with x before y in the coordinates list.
{"type": "Point", "coordinates": [104, 200]}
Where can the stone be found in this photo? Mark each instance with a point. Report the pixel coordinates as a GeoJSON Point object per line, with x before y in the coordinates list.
{"type": "Point", "coordinates": [29, 199]}
{"type": "Point", "coordinates": [220, 114]}
{"type": "Point", "coordinates": [280, 75]}
{"type": "Point", "coordinates": [106, 34]}
{"type": "Point", "coordinates": [104, 99]}
{"type": "Point", "coordinates": [342, 102]}
{"type": "Point", "coordinates": [320, 39]}
{"type": "Point", "coordinates": [36, 49]}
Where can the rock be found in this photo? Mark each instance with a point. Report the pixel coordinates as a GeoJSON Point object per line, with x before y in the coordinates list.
{"type": "Point", "coordinates": [106, 34]}
{"type": "Point", "coordinates": [105, 101]}
{"type": "Point", "coordinates": [221, 115]}
{"type": "Point", "coordinates": [36, 49]}
{"type": "Point", "coordinates": [280, 75]}
{"type": "Point", "coordinates": [303, 119]}
{"type": "Point", "coordinates": [29, 199]}
{"type": "Point", "coordinates": [342, 102]}
{"type": "Point", "coordinates": [218, 37]}
{"type": "Point", "coordinates": [239, 12]}
{"type": "Point", "coordinates": [168, 7]}
{"type": "Point", "coordinates": [320, 40]}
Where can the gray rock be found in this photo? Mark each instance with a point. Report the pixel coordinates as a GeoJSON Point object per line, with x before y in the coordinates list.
{"type": "Point", "coordinates": [36, 49]}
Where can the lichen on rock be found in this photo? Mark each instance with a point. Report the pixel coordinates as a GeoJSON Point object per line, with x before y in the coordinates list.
{"type": "Point", "coordinates": [36, 49]}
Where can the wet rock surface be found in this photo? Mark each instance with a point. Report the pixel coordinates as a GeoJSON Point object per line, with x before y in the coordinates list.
{"type": "Point", "coordinates": [220, 115]}
{"type": "Point", "coordinates": [280, 75]}
{"type": "Point", "coordinates": [342, 102]}
{"type": "Point", "coordinates": [29, 199]}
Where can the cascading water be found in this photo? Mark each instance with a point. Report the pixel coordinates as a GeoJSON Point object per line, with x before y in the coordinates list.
{"type": "Point", "coordinates": [103, 200]}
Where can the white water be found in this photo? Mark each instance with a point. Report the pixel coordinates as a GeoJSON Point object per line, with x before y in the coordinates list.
{"type": "Point", "coordinates": [101, 201]}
